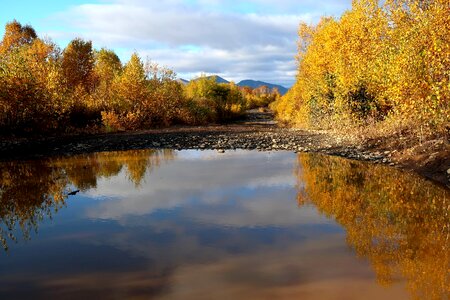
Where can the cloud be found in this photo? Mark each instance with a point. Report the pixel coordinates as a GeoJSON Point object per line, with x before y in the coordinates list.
{"type": "Point", "coordinates": [261, 187]}
{"type": "Point", "coordinates": [319, 268]}
{"type": "Point", "coordinates": [268, 63]}
{"type": "Point", "coordinates": [255, 39]}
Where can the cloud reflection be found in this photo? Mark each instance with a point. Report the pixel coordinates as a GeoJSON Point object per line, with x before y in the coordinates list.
{"type": "Point", "coordinates": [236, 189]}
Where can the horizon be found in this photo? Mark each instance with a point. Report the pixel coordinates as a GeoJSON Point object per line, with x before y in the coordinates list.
{"type": "Point", "coordinates": [236, 82]}
{"type": "Point", "coordinates": [255, 40]}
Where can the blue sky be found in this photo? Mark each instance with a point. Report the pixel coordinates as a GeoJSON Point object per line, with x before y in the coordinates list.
{"type": "Point", "coordinates": [238, 40]}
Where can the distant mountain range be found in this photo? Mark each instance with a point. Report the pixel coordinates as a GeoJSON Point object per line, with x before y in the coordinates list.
{"type": "Point", "coordinates": [255, 84]}
{"type": "Point", "coordinates": [183, 81]}
{"type": "Point", "coordinates": [248, 82]}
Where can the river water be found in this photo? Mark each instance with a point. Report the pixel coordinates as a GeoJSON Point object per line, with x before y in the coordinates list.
{"type": "Point", "coordinates": [163, 224]}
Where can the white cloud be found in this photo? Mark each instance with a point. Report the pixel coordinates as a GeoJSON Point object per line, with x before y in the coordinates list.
{"type": "Point", "coordinates": [255, 39]}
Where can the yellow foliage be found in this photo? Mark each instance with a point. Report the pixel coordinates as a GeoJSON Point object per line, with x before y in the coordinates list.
{"type": "Point", "coordinates": [376, 62]}
{"type": "Point", "coordinates": [217, 101]}
{"type": "Point", "coordinates": [43, 89]}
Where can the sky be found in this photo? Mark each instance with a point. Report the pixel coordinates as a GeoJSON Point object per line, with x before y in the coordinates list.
{"type": "Point", "coordinates": [237, 40]}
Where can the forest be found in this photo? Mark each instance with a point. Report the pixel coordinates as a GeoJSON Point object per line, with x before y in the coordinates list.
{"type": "Point", "coordinates": [382, 69]}
{"type": "Point", "coordinates": [46, 89]}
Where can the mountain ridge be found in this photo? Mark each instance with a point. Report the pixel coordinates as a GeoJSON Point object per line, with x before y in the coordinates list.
{"type": "Point", "coordinates": [247, 82]}
{"type": "Point", "coordinates": [257, 83]}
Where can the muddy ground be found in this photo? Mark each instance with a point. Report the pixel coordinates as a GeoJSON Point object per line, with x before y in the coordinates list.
{"type": "Point", "coordinates": [257, 131]}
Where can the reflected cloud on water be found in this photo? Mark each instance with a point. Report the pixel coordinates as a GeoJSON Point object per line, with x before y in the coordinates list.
{"type": "Point", "coordinates": [243, 224]}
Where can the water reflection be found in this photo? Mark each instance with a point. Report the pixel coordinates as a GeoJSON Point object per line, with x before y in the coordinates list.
{"type": "Point", "coordinates": [400, 222]}
{"type": "Point", "coordinates": [190, 225]}
{"type": "Point", "coordinates": [32, 191]}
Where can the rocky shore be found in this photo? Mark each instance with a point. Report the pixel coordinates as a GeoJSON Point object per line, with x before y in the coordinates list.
{"type": "Point", "coordinates": [257, 132]}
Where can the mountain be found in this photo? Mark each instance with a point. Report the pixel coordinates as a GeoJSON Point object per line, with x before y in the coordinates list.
{"type": "Point", "coordinates": [255, 84]}
{"type": "Point", "coordinates": [219, 79]}
{"type": "Point", "coordinates": [183, 81]}
{"type": "Point", "coordinates": [216, 77]}
{"type": "Point", "coordinates": [250, 83]}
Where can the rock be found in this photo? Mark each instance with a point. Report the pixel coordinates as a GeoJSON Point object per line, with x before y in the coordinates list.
{"type": "Point", "coordinates": [221, 151]}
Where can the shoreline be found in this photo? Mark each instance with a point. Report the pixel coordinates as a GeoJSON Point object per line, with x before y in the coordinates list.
{"type": "Point", "coordinates": [430, 160]}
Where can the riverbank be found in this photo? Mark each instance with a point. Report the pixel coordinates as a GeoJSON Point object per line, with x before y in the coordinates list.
{"type": "Point", "coordinates": [258, 131]}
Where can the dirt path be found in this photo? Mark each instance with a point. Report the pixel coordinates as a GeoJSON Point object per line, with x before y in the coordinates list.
{"type": "Point", "coordinates": [257, 131]}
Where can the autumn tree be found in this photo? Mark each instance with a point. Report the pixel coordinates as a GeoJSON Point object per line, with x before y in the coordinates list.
{"type": "Point", "coordinates": [30, 95]}
{"type": "Point", "coordinates": [379, 64]}
{"type": "Point", "coordinates": [221, 101]}
{"type": "Point", "coordinates": [107, 67]}
{"type": "Point", "coordinates": [165, 94]}
{"type": "Point", "coordinates": [16, 35]}
{"type": "Point", "coordinates": [78, 64]}
{"type": "Point", "coordinates": [130, 94]}
{"type": "Point", "coordinates": [44, 89]}
{"type": "Point", "coordinates": [131, 86]}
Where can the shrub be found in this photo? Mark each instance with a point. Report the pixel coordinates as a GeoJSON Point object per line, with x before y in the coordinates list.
{"type": "Point", "coordinates": [377, 63]}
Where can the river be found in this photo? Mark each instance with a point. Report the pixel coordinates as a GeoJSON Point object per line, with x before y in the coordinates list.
{"type": "Point", "coordinates": [165, 224]}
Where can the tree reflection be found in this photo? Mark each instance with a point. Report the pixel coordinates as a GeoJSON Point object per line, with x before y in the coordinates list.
{"type": "Point", "coordinates": [31, 191]}
{"type": "Point", "coordinates": [399, 222]}
{"type": "Point", "coordinates": [28, 192]}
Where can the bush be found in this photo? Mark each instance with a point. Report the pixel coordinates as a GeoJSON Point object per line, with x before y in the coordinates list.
{"type": "Point", "coordinates": [378, 63]}
{"type": "Point", "coordinates": [224, 101]}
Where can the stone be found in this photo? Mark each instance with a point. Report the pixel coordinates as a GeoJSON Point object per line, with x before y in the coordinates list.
{"type": "Point", "coordinates": [221, 151]}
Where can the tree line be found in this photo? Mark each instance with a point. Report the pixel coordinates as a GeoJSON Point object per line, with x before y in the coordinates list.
{"type": "Point", "coordinates": [44, 88]}
{"type": "Point", "coordinates": [380, 65]}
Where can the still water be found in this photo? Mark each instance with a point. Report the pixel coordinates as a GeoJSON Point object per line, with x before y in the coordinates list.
{"type": "Point", "coordinates": [202, 225]}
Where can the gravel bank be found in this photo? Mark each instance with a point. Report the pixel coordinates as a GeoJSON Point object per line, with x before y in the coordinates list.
{"type": "Point", "coordinates": [257, 132]}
